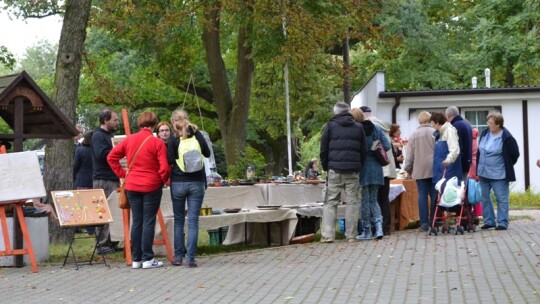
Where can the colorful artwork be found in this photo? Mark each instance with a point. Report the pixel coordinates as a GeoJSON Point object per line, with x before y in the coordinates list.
{"type": "Point", "coordinates": [81, 207]}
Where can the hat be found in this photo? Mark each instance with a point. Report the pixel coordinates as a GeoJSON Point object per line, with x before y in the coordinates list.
{"type": "Point", "coordinates": [365, 109]}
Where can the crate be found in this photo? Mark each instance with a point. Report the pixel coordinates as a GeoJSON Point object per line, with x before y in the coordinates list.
{"type": "Point", "coordinates": [307, 225]}
{"type": "Point", "coordinates": [217, 236]}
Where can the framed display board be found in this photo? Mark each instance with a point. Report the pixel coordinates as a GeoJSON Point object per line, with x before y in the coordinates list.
{"type": "Point", "coordinates": [81, 207]}
{"type": "Point", "coordinates": [21, 177]}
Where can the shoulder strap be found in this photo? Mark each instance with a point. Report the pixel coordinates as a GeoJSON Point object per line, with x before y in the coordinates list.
{"type": "Point", "coordinates": [137, 152]}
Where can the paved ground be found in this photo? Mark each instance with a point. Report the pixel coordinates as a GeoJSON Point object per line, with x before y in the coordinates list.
{"type": "Point", "coordinates": [406, 267]}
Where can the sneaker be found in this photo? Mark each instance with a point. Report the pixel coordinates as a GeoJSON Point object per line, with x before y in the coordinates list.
{"type": "Point", "coordinates": [177, 261]}
{"type": "Point", "coordinates": [191, 263]}
{"type": "Point", "coordinates": [353, 240]}
{"type": "Point", "coordinates": [153, 263]}
{"type": "Point", "coordinates": [326, 240]}
{"type": "Point", "coordinates": [136, 265]}
{"type": "Point", "coordinates": [486, 226]}
{"type": "Point", "coordinates": [423, 228]}
{"type": "Point", "coordinates": [500, 228]}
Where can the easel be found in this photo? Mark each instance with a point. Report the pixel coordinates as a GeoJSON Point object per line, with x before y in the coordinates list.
{"type": "Point", "coordinates": [70, 249]}
{"type": "Point", "coordinates": [17, 207]}
{"type": "Point", "coordinates": [126, 217]}
{"type": "Point", "coordinates": [18, 212]}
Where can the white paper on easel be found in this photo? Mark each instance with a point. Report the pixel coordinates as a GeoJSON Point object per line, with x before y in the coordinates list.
{"type": "Point", "coordinates": [20, 177]}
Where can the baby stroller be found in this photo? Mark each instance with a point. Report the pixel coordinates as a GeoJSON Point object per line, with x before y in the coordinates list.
{"type": "Point", "coordinates": [452, 207]}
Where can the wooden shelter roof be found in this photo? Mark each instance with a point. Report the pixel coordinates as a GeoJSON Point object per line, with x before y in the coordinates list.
{"type": "Point", "coordinates": [22, 99]}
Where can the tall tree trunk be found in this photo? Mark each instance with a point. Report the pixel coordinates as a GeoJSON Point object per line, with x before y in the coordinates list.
{"type": "Point", "coordinates": [59, 160]}
{"type": "Point", "coordinates": [232, 112]}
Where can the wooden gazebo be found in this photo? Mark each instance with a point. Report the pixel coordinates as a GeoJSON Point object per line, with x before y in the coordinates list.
{"type": "Point", "coordinates": [30, 113]}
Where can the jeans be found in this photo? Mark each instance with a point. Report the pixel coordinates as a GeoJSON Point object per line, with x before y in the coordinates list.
{"type": "Point", "coordinates": [193, 193]}
{"type": "Point", "coordinates": [144, 208]}
{"type": "Point", "coordinates": [343, 187]}
{"type": "Point", "coordinates": [370, 208]}
{"type": "Point", "coordinates": [501, 189]}
{"type": "Point", "coordinates": [426, 188]}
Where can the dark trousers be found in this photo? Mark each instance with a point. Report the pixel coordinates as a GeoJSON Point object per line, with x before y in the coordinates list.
{"type": "Point", "coordinates": [384, 204]}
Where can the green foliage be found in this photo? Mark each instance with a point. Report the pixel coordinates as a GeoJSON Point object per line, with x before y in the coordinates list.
{"type": "Point", "coordinates": [309, 149]}
{"type": "Point", "coordinates": [39, 60]}
{"type": "Point", "coordinates": [7, 60]}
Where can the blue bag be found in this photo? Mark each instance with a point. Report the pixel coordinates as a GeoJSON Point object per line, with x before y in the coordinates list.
{"type": "Point", "coordinates": [474, 193]}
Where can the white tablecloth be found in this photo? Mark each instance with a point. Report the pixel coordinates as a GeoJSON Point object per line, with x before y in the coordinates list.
{"type": "Point", "coordinates": [291, 194]}
{"type": "Point", "coordinates": [220, 198]}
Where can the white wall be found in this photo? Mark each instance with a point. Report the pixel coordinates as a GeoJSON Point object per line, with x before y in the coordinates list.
{"type": "Point", "coordinates": [510, 103]}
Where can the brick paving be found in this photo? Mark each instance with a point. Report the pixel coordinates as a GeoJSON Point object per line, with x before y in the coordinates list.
{"type": "Point", "coordinates": [406, 267]}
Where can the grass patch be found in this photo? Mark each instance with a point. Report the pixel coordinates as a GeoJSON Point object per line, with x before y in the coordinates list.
{"type": "Point", "coordinates": [524, 200]}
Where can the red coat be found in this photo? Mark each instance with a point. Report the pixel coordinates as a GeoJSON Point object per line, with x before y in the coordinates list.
{"type": "Point", "coordinates": [150, 170]}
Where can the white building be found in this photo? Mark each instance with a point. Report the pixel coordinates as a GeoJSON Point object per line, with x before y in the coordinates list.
{"type": "Point", "coordinates": [519, 106]}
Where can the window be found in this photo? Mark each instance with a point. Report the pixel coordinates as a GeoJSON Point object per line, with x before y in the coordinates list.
{"type": "Point", "coordinates": [477, 118]}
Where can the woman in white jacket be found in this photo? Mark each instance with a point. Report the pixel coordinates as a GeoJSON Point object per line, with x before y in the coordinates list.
{"type": "Point", "coordinates": [446, 158]}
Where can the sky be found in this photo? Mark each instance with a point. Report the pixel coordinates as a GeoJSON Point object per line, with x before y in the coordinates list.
{"type": "Point", "coordinates": [23, 34]}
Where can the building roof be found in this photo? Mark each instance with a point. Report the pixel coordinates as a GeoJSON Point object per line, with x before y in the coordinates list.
{"type": "Point", "coordinates": [40, 117]}
{"type": "Point", "coordinates": [387, 94]}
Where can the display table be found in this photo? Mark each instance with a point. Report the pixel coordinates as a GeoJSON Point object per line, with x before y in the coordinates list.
{"type": "Point", "coordinates": [404, 208]}
{"type": "Point", "coordinates": [220, 198]}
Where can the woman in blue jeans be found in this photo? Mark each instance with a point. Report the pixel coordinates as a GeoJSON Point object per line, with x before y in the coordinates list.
{"type": "Point", "coordinates": [498, 152]}
{"type": "Point", "coordinates": [186, 187]}
{"type": "Point", "coordinates": [148, 170]}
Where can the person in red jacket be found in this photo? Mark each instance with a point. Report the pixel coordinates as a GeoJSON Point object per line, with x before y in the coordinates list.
{"type": "Point", "coordinates": [148, 170]}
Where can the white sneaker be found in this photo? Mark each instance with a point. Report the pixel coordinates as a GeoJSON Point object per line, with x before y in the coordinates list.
{"type": "Point", "coordinates": [153, 263]}
{"type": "Point", "coordinates": [136, 265]}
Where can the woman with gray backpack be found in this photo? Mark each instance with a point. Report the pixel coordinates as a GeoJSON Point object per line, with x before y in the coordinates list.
{"type": "Point", "coordinates": [187, 149]}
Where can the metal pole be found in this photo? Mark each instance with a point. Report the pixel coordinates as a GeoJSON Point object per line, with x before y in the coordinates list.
{"type": "Point", "coordinates": [286, 79]}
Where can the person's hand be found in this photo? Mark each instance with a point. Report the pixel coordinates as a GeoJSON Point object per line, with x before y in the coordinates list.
{"type": "Point", "coordinates": [400, 159]}
{"type": "Point", "coordinates": [538, 163]}
{"type": "Point", "coordinates": [445, 163]}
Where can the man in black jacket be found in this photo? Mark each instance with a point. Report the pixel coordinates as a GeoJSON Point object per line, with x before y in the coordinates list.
{"type": "Point", "coordinates": [103, 176]}
{"type": "Point", "coordinates": [343, 151]}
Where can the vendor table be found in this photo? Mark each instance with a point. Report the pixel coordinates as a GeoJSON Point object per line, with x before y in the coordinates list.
{"type": "Point", "coordinates": [405, 207]}
{"type": "Point", "coordinates": [247, 197]}
{"type": "Point", "coordinates": [291, 194]}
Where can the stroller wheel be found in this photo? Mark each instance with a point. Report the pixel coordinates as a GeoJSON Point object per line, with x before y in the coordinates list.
{"type": "Point", "coordinates": [429, 231]}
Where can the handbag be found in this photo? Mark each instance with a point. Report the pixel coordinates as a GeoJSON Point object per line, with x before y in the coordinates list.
{"type": "Point", "coordinates": [474, 192]}
{"type": "Point", "coordinates": [123, 202]}
{"type": "Point", "coordinates": [380, 155]}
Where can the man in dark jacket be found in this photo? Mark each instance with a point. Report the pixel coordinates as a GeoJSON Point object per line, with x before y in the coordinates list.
{"type": "Point", "coordinates": [464, 132]}
{"type": "Point", "coordinates": [103, 176]}
{"type": "Point", "coordinates": [343, 151]}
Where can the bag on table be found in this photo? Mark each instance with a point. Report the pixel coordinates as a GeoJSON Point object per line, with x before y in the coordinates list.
{"type": "Point", "coordinates": [123, 202]}
{"type": "Point", "coordinates": [378, 150]}
{"type": "Point", "coordinates": [474, 193]}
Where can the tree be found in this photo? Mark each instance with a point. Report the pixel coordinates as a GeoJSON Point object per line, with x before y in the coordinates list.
{"type": "Point", "coordinates": [66, 84]}
{"type": "Point", "coordinates": [235, 37]}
